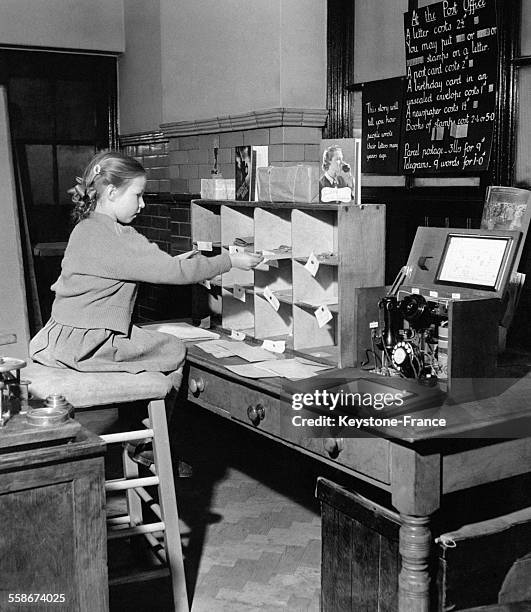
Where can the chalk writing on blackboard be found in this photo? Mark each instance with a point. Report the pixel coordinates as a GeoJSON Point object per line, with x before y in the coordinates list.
{"type": "Point", "coordinates": [381, 125]}
{"type": "Point", "coordinates": [450, 90]}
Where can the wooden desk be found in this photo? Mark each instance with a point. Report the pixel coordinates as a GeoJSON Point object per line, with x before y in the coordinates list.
{"type": "Point", "coordinates": [417, 466]}
{"type": "Point", "coordinates": [53, 523]}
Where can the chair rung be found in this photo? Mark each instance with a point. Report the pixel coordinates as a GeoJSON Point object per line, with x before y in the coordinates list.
{"type": "Point", "coordinates": [125, 436]}
{"type": "Point", "coordinates": [146, 497]}
{"type": "Point", "coordinates": [139, 576]}
{"type": "Point", "coordinates": [156, 548]}
{"type": "Point", "coordinates": [121, 484]}
{"type": "Point", "coordinates": [138, 530]}
{"type": "Point", "coordinates": [119, 520]}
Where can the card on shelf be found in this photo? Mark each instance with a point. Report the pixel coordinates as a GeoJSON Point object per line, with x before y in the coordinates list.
{"type": "Point", "coordinates": [204, 246]}
{"type": "Point", "coordinates": [271, 298]}
{"type": "Point", "coordinates": [274, 346]}
{"type": "Point", "coordinates": [270, 258]}
{"type": "Point", "coordinates": [237, 335]}
{"type": "Point", "coordinates": [239, 293]}
{"type": "Point", "coordinates": [312, 265]}
{"type": "Point", "coordinates": [236, 250]}
{"type": "Point", "coordinates": [323, 315]}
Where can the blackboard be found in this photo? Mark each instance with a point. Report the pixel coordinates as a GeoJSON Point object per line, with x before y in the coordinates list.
{"type": "Point", "coordinates": [382, 103]}
{"type": "Point", "coordinates": [450, 88]}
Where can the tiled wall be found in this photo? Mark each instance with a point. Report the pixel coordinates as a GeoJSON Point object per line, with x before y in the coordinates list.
{"type": "Point", "coordinates": [175, 165]}
{"type": "Point", "coordinates": [191, 158]}
{"type": "Point", "coordinates": [154, 157]}
{"type": "Point", "coordinates": [166, 221]}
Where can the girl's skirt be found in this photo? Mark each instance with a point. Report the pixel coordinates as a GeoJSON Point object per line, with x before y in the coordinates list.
{"type": "Point", "coordinates": [105, 350]}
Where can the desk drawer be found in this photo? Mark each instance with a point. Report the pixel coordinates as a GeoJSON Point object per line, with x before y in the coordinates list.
{"type": "Point", "coordinates": [367, 455]}
{"type": "Point", "coordinates": [250, 406]}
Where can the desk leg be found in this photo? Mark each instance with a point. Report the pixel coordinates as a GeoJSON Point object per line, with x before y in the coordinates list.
{"type": "Point", "coordinates": [414, 579]}
{"type": "Point", "coordinates": [415, 487]}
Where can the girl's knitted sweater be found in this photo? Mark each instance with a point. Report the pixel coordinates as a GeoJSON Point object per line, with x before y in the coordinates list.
{"type": "Point", "coordinates": [102, 265]}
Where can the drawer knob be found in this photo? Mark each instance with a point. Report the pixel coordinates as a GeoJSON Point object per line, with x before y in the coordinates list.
{"type": "Point", "coordinates": [196, 386]}
{"type": "Point", "coordinates": [333, 446]}
{"type": "Point", "coordinates": [256, 413]}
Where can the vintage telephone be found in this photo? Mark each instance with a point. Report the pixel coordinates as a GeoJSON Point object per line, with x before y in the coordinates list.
{"type": "Point", "coordinates": [438, 323]}
{"type": "Point", "coordinates": [412, 330]}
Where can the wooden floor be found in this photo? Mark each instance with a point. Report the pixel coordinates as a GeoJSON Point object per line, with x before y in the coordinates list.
{"type": "Point", "coordinates": [250, 523]}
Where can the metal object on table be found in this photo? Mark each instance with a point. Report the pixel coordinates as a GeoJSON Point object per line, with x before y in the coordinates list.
{"type": "Point", "coordinates": [56, 410]}
{"type": "Point", "coordinates": [10, 387]}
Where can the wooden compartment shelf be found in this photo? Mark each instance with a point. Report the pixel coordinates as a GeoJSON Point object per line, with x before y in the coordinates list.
{"type": "Point", "coordinates": [347, 240]}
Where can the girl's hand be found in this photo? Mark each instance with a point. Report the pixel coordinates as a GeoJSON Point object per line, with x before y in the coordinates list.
{"type": "Point", "coordinates": [245, 261]}
{"type": "Point", "coordinates": [188, 254]}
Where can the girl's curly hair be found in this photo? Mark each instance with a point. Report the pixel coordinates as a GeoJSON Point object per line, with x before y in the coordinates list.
{"type": "Point", "coordinates": [105, 168]}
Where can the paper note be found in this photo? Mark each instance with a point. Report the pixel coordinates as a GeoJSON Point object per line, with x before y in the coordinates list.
{"type": "Point", "coordinates": [275, 346]}
{"type": "Point", "coordinates": [271, 298]}
{"type": "Point", "coordinates": [204, 246]}
{"type": "Point", "coordinates": [236, 250]}
{"type": "Point", "coordinates": [312, 265]}
{"type": "Point", "coordinates": [214, 348]}
{"type": "Point", "coordinates": [293, 369]}
{"type": "Point", "coordinates": [323, 315]}
{"type": "Point", "coordinates": [237, 335]}
{"type": "Point", "coordinates": [249, 370]}
{"type": "Point", "coordinates": [246, 351]}
{"type": "Point", "coordinates": [182, 330]}
{"type": "Point", "coordinates": [239, 293]}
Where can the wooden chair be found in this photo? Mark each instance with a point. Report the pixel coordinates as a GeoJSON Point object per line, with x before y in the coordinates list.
{"type": "Point", "coordinates": [99, 390]}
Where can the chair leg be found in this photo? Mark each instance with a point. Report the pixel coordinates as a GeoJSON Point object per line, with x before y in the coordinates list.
{"type": "Point", "coordinates": [168, 503]}
{"type": "Point", "coordinates": [134, 505]}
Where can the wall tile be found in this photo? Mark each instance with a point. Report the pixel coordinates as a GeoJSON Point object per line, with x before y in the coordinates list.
{"type": "Point", "coordinates": [208, 141]}
{"type": "Point", "coordinates": [226, 156]}
{"type": "Point", "coordinates": [189, 142]}
{"type": "Point", "coordinates": [230, 139]}
{"type": "Point", "coordinates": [178, 157]}
{"type": "Point", "coordinates": [174, 171]}
{"type": "Point", "coordinates": [199, 156]}
{"type": "Point", "coordinates": [276, 153]}
{"type": "Point", "coordinates": [189, 171]}
{"type": "Point", "coordinates": [194, 185]}
{"type": "Point", "coordinates": [174, 144]}
{"type": "Point", "coordinates": [311, 153]}
{"type": "Point", "coordinates": [180, 214]}
{"type": "Point", "coordinates": [152, 186]}
{"type": "Point", "coordinates": [256, 137]}
{"type": "Point", "coordinates": [227, 170]}
{"type": "Point", "coordinates": [204, 171]}
{"type": "Point", "coordinates": [294, 152]}
{"type": "Point", "coordinates": [178, 185]}
{"type": "Point", "coordinates": [295, 135]}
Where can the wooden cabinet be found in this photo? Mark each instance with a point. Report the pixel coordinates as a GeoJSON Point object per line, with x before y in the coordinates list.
{"type": "Point", "coordinates": [348, 242]}
{"type": "Point", "coordinates": [53, 542]}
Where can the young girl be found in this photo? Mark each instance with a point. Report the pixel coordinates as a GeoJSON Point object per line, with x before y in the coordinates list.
{"type": "Point", "coordinates": [90, 327]}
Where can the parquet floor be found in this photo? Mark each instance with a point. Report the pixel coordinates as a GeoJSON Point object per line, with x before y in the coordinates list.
{"type": "Point", "coordinates": [250, 523]}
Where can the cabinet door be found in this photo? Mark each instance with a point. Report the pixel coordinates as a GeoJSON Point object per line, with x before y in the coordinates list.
{"type": "Point", "coordinates": [53, 539]}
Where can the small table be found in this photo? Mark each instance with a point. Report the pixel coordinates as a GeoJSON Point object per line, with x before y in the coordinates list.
{"type": "Point", "coordinates": [53, 544]}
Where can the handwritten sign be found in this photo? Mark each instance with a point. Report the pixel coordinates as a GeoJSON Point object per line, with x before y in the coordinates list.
{"type": "Point", "coordinates": [382, 103]}
{"type": "Point", "coordinates": [450, 89]}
